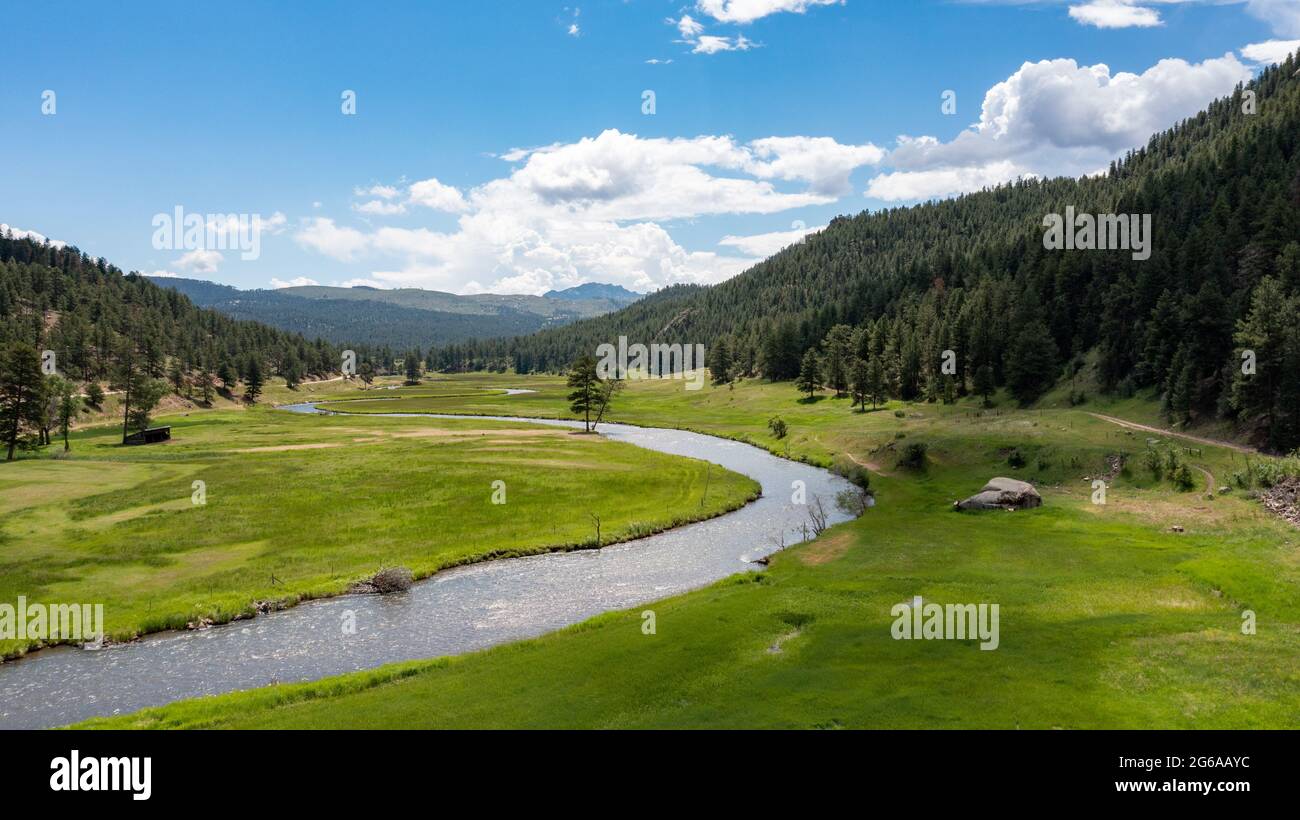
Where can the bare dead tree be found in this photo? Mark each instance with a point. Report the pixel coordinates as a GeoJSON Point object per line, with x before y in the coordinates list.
{"type": "Point", "coordinates": [817, 516]}
{"type": "Point", "coordinates": [607, 394]}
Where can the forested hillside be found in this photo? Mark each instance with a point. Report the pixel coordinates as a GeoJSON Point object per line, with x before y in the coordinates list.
{"type": "Point", "coordinates": [882, 295]}
{"type": "Point", "coordinates": [92, 317]}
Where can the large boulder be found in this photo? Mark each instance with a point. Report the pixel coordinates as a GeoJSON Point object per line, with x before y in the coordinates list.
{"type": "Point", "coordinates": [1002, 494]}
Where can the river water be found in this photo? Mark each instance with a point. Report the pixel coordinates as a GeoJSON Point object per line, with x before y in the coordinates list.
{"type": "Point", "coordinates": [459, 610]}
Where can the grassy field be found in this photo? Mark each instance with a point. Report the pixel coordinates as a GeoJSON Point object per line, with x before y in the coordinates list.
{"type": "Point", "coordinates": [1108, 617]}
{"type": "Point", "coordinates": [299, 506]}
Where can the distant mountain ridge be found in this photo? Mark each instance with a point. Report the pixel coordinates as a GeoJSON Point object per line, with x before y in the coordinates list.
{"type": "Point", "coordinates": [403, 317]}
{"type": "Point", "coordinates": [595, 290]}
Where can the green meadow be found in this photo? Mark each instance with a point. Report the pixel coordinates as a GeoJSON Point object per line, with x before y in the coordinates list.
{"type": "Point", "coordinates": [294, 507]}
{"type": "Point", "coordinates": [1127, 614]}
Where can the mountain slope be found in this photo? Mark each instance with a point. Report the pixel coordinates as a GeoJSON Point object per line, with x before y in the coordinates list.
{"type": "Point", "coordinates": [88, 312]}
{"type": "Point", "coordinates": [595, 290]}
{"type": "Point", "coordinates": [401, 318]}
{"type": "Point", "coordinates": [972, 275]}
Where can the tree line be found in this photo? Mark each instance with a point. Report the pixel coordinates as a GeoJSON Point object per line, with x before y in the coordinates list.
{"type": "Point", "coordinates": [1208, 321]}
{"type": "Point", "coordinates": [70, 326]}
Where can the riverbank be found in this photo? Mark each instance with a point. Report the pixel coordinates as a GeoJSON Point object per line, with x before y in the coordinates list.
{"type": "Point", "coordinates": [287, 500]}
{"type": "Point", "coordinates": [1109, 618]}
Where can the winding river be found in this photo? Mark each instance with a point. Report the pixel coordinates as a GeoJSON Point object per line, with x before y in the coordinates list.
{"type": "Point", "coordinates": [456, 611]}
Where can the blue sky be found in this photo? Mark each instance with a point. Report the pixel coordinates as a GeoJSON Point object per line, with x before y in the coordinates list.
{"type": "Point", "coordinates": [504, 145]}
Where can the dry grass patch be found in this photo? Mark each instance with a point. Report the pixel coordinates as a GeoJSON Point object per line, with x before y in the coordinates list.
{"type": "Point", "coordinates": [825, 549]}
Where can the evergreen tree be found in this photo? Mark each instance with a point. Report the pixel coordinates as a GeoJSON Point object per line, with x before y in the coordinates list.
{"type": "Point", "coordinates": [719, 361]}
{"type": "Point", "coordinates": [861, 377]}
{"type": "Point", "coordinates": [586, 383]}
{"type": "Point", "coordinates": [20, 391]}
{"type": "Point", "coordinates": [984, 384]}
{"type": "Point", "coordinates": [809, 374]}
{"type": "Point", "coordinates": [69, 406]}
{"type": "Point", "coordinates": [838, 347]}
{"type": "Point", "coordinates": [1031, 363]}
{"type": "Point", "coordinates": [254, 381]}
{"type": "Point", "coordinates": [411, 361]}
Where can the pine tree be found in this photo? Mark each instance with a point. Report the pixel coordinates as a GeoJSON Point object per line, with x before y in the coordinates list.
{"type": "Point", "coordinates": [176, 375]}
{"type": "Point", "coordinates": [253, 379]}
{"type": "Point", "coordinates": [861, 376]}
{"type": "Point", "coordinates": [720, 361]}
{"type": "Point", "coordinates": [129, 376]}
{"type": "Point", "coordinates": [1031, 362]}
{"type": "Point", "coordinates": [586, 383]}
{"type": "Point", "coordinates": [838, 347]}
{"type": "Point", "coordinates": [1262, 337]}
{"type": "Point", "coordinates": [876, 390]}
{"type": "Point", "coordinates": [411, 362]}
{"type": "Point", "coordinates": [69, 406]}
{"type": "Point", "coordinates": [20, 391]}
{"type": "Point", "coordinates": [809, 374]}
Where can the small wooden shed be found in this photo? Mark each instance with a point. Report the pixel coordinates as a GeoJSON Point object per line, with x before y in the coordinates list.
{"type": "Point", "coordinates": [151, 436]}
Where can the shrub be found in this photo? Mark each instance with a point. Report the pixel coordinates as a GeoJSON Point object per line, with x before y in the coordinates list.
{"type": "Point", "coordinates": [1016, 458]}
{"type": "Point", "coordinates": [391, 579]}
{"type": "Point", "coordinates": [913, 455]}
{"type": "Point", "coordinates": [1183, 478]}
{"type": "Point", "coordinates": [778, 427]}
{"type": "Point", "coordinates": [855, 473]}
{"type": "Point", "coordinates": [1155, 464]}
{"type": "Point", "coordinates": [854, 502]}
{"type": "Point", "coordinates": [898, 414]}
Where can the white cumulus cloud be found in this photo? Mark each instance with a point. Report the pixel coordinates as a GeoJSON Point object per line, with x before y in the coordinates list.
{"type": "Point", "coordinates": [575, 212]}
{"type": "Point", "coordinates": [1053, 118]}
{"type": "Point", "coordinates": [1115, 14]}
{"type": "Point", "coordinates": [764, 245]}
{"type": "Point", "coordinates": [201, 260]}
{"type": "Point", "coordinates": [433, 194]}
{"type": "Point", "coordinates": [297, 282]}
{"type": "Point", "coordinates": [19, 233]}
{"type": "Point", "coordinates": [1271, 51]}
{"type": "Point", "coordinates": [747, 11]}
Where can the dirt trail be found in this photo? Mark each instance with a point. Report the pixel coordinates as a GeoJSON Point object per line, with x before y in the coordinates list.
{"type": "Point", "coordinates": [870, 465]}
{"type": "Point", "coordinates": [1210, 487]}
{"type": "Point", "coordinates": [1132, 425]}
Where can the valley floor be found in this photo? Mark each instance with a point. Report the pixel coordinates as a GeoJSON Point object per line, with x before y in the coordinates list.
{"type": "Point", "coordinates": [258, 507]}
{"type": "Point", "coordinates": [1127, 614]}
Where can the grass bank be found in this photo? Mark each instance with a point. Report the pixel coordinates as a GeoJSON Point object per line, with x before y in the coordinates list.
{"type": "Point", "coordinates": [1109, 617]}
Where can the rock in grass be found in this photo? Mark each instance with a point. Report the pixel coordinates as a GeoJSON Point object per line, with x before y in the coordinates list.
{"type": "Point", "coordinates": [392, 579]}
{"type": "Point", "coordinates": [1003, 494]}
